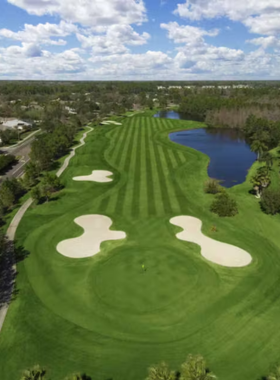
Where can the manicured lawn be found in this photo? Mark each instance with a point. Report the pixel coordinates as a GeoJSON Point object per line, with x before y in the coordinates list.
{"type": "Point", "coordinates": [103, 315]}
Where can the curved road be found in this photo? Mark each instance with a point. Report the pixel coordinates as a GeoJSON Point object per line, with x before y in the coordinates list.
{"type": "Point", "coordinates": [11, 232]}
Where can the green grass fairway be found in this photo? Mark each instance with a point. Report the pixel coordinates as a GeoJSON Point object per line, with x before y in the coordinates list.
{"type": "Point", "coordinates": [107, 317]}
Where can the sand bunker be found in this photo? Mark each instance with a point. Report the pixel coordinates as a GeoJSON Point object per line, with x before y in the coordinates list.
{"type": "Point", "coordinates": [96, 176]}
{"type": "Point", "coordinates": [219, 253]}
{"type": "Point", "coordinates": [108, 122]}
{"type": "Point", "coordinates": [96, 230]}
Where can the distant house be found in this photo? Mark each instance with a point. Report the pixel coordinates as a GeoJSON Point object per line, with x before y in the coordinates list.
{"type": "Point", "coordinates": [14, 124]}
{"type": "Point", "coordinates": [70, 110]}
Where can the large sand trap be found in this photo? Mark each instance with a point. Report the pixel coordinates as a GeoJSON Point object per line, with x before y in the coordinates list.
{"type": "Point", "coordinates": [219, 253]}
{"type": "Point", "coordinates": [108, 122]}
{"type": "Point", "coordinates": [96, 176]}
{"type": "Point", "coordinates": [96, 230]}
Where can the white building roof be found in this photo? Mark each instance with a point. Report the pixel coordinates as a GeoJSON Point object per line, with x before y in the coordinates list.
{"type": "Point", "coordinates": [15, 123]}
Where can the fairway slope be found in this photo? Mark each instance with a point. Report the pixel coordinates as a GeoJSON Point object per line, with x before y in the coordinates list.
{"type": "Point", "coordinates": [148, 296]}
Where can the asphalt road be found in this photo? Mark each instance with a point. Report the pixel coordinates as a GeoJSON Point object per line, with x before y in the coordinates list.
{"type": "Point", "coordinates": [22, 150]}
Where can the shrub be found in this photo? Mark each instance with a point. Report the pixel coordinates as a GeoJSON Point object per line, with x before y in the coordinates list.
{"type": "Point", "coordinates": [270, 202]}
{"type": "Point", "coordinates": [6, 161]}
{"type": "Point", "coordinates": [212, 186]}
{"type": "Point", "coordinates": [36, 193]}
{"type": "Point", "coordinates": [224, 205]}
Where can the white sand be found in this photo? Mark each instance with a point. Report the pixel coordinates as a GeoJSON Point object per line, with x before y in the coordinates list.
{"type": "Point", "coordinates": [96, 176]}
{"type": "Point", "coordinates": [219, 253]}
{"type": "Point", "coordinates": [108, 122]}
{"type": "Point", "coordinates": [96, 230]}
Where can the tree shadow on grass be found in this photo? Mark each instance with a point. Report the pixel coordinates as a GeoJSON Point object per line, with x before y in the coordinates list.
{"type": "Point", "coordinates": [85, 377]}
{"type": "Point", "coordinates": [10, 257]}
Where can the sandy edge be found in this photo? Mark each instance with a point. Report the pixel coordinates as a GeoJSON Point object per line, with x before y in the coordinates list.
{"type": "Point", "coordinates": [108, 122]}
{"type": "Point", "coordinates": [96, 176]}
{"type": "Point", "coordinates": [215, 251]}
{"type": "Point", "coordinates": [96, 231]}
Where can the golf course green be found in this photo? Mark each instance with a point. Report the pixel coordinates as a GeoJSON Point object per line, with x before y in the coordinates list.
{"type": "Point", "coordinates": [106, 316]}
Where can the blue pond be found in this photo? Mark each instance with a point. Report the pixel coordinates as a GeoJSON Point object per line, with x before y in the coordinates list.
{"type": "Point", "coordinates": [230, 155]}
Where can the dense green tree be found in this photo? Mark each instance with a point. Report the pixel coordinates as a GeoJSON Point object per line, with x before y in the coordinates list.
{"type": "Point", "coordinates": [10, 192]}
{"type": "Point", "coordinates": [49, 185]}
{"type": "Point", "coordinates": [268, 159]}
{"type": "Point", "coordinates": [36, 193]}
{"type": "Point", "coordinates": [195, 368]}
{"type": "Point", "coordinates": [160, 372]}
{"type": "Point", "coordinates": [6, 161]}
{"type": "Point", "coordinates": [224, 205]}
{"type": "Point", "coordinates": [270, 201]}
{"type": "Point", "coordinates": [52, 181]}
{"type": "Point", "coordinates": [8, 136]}
{"type": "Point", "coordinates": [41, 154]}
{"type": "Point", "coordinates": [31, 175]}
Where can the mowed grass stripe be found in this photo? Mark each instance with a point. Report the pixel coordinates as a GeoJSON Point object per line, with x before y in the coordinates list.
{"type": "Point", "coordinates": [143, 198]}
{"type": "Point", "coordinates": [130, 208]}
{"type": "Point", "coordinates": [175, 160]}
{"type": "Point", "coordinates": [155, 174]}
{"type": "Point", "coordinates": [166, 173]}
{"type": "Point", "coordinates": [159, 124]}
{"type": "Point", "coordinates": [150, 178]}
{"type": "Point", "coordinates": [136, 177]}
{"type": "Point", "coordinates": [119, 144]}
{"type": "Point", "coordinates": [179, 195]}
{"type": "Point", "coordinates": [162, 184]}
{"type": "Point", "coordinates": [115, 201]}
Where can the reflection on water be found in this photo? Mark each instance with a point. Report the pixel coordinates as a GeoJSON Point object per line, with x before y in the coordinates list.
{"type": "Point", "coordinates": [230, 155]}
{"type": "Point", "coordinates": [172, 115]}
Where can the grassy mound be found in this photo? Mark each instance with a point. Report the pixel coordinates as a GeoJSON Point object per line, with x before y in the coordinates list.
{"type": "Point", "coordinates": [104, 315]}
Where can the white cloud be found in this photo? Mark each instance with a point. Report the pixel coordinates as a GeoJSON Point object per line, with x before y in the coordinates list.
{"type": "Point", "coordinates": [265, 42]}
{"type": "Point", "coordinates": [196, 52]}
{"type": "Point", "coordinates": [88, 12]}
{"type": "Point", "coordinates": [145, 61]}
{"type": "Point", "coordinates": [41, 33]}
{"type": "Point", "coordinates": [114, 41]}
{"type": "Point", "coordinates": [260, 16]}
{"type": "Point", "coordinates": [187, 34]}
{"type": "Point", "coordinates": [26, 50]}
{"type": "Point", "coordinates": [29, 62]}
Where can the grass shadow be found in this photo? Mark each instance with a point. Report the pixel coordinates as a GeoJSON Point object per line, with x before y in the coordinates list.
{"type": "Point", "coordinates": [10, 257]}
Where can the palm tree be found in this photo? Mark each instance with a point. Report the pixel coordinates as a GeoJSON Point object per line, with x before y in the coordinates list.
{"type": "Point", "coordinates": [35, 373]}
{"type": "Point", "coordinates": [268, 159]}
{"type": "Point", "coordinates": [275, 374]}
{"type": "Point", "coordinates": [261, 180]}
{"type": "Point", "coordinates": [258, 147]}
{"type": "Point", "coordinates": [195, 369]}
{"type": "Point", "coordinates": [160, 372]}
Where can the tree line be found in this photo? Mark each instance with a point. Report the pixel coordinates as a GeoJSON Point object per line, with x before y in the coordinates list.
{"type": "Point", "coordinates": [54, 142]}
{"type": "Point", "coordinates": [194, 368]}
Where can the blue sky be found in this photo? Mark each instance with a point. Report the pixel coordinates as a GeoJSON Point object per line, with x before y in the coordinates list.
{"type": "Point", "coordinates": [138, 39]}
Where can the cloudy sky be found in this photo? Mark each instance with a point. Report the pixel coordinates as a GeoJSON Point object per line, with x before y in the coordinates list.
{"type": "Point", "coordinates": [139, 39]}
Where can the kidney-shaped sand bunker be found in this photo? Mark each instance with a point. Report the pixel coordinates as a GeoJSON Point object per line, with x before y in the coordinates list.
{"type": "Point", "coordinates": [96, 230]}
{"type": "Point", "coordinates": [219, 253]}
{"type": "Point", "coordinates": [96, 176]}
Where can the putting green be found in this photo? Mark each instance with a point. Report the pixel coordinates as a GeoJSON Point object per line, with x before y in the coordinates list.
{"type": "Point", "coordinates": [106, 316]}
